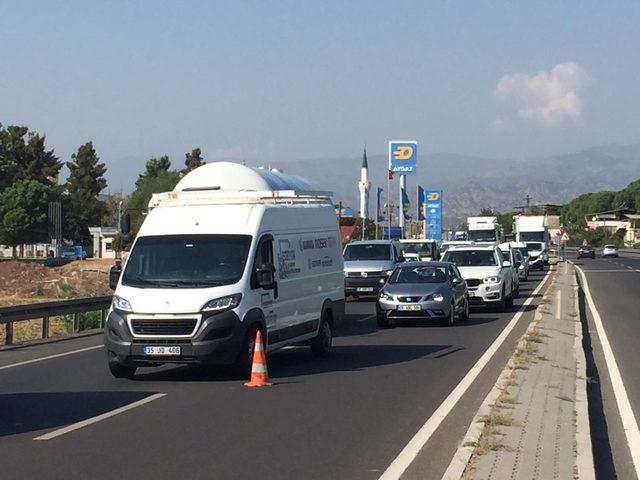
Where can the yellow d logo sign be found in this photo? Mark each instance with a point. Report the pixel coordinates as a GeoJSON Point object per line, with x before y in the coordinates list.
{"type": "Point", "coordinates": [433, 196]}
{"type": "Point", "coordinates": [403, 152]}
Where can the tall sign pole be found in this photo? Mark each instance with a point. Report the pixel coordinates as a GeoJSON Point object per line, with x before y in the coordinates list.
{"type": "Point", "coordinates": [403, 156]}
{"type": "Point", "coordinates": [401, 222]}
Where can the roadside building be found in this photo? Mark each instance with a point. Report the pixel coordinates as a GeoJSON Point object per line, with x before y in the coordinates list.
{"type": "Point", "coordinates": [103, 241]}
{"type": "Point", "coordinates": [611, 221]}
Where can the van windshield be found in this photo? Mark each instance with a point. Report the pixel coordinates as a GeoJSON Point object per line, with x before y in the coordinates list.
{"type": "Point", "coordinates": [367, 251]}
{"type": "Point", "coordinates": [533, 246]}
{"type": "Point", "coordinates": [187, 261]}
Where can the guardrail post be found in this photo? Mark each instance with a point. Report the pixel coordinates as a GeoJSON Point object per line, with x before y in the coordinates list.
{"type": "Point", "coordinates": [103, 316]}
{"type": "Point", "coordinates": [76, 322]}
{"type": "Point", "coordinates": [8, 339]}
{"type": "Point", "coordinates": [45, 327]}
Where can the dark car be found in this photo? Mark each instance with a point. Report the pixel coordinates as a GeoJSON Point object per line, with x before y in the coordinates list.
{"type": "Point", "coordinates": [423, 291]}
{"type": "Point", "coordinates": [586, 251]}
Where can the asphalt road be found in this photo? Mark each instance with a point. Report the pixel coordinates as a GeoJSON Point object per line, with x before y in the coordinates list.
{"type": "Point", "coordinates": [347, 416]}
{"type": "Point", "coordinates": [614, 284]}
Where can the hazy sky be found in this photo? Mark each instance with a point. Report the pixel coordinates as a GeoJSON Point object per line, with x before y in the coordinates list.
{"type": "Point", "coordinates": [292, 80]}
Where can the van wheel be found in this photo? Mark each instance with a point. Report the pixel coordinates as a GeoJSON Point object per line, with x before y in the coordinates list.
{"type": "Point", "coordinates": [121, 371]}
{"type": "Point", "coordinates": [242, 365]}
{"type": "Point", "coordinates": [321, 344]}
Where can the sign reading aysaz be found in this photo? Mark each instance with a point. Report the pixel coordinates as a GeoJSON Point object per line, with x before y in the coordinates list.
{"type": "Point", "coordinates": [403, 157]}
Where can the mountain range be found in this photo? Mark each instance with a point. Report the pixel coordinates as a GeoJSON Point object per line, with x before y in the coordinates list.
{"type": "Point", "coordinates": [469, 183]}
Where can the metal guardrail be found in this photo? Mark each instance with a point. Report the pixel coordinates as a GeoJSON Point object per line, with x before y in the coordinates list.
{"type": "Point", "coordinates": [45, 310]}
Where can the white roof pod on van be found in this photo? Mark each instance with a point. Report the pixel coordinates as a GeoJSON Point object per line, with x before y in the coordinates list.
{"type": "Point", "coordinates": [228, 182]}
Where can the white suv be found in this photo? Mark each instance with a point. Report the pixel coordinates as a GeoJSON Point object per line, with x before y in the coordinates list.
{"type": "Point", "coordinates": [489, 277]}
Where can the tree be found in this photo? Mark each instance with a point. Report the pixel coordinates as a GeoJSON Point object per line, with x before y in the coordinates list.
{"type": "Point", "coordinates": [487, 212]}
{"type": "Point", "coordinates": [154, 167]}
{"type": "Point", "coordinates": [193, 160]}
{"type": "Point", "coordinates": [23, 213]}
{"type": "Point", "coordinates": [369, 230]}
{"type": "Point", "coordinates": [82, 208]}
{"type": "Point", "coordinates": [23, 156]}
{"type": "Point", "coordinates": [157, 177]}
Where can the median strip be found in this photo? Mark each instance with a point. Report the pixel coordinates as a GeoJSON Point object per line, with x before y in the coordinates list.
{"type": "Point", "coordinates": [535, 418]}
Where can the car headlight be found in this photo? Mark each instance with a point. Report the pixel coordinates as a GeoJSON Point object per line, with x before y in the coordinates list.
{"type": "Point", "coordinates": [386, 297]}
{"type": "Point", "coordinates": [388, 273]}
{"type": "Point", "coordinates": [223, 303]}
{"type": "Point", "coordinates": [491, 280]}
{"type": "Point", "coordinates": [120, 303]}
{"type": "Point", "coordinates": [436, 297]}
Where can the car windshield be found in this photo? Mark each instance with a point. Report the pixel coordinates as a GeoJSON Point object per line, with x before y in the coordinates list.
{"type": "Point", "coordinates": [186, 261]}
{"type": "Point", "coordinates": [367, 251]}
{"type": "Point", "coordinates": [471, 258]}
{"type": "Point", "coordinates": [421, 274]}
{"type": "Point", "coordinates": [426, 248]}
{"type": "Point", "coordinates": [609, 246]}
{"type": "Point", "coordinates": [534, 246]}
{"type": "Point", "coordinates": [482, 236]}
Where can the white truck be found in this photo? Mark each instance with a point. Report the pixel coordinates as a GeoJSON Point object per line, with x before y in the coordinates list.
{"type": "Point", "coordinates": [484, 230]}
{"type": "Point", "coordinates": [533, 231]}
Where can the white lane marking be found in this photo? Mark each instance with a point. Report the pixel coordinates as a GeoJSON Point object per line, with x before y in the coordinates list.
{"type": "Point", "coordinates": [629, 423]}
{"type": "Point", "coordinates": [558, 305]}
{"type": "Point", "coordinates": [608, 271]}
{"type": "Point", "coordinates": [98, 418]}
{"type": "Point", "coordinates": [57, 355]}
{"type": "Point", "coordinates": [422, 436]}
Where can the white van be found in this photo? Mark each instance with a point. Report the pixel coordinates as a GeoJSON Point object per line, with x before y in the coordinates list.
{"type": "Point", "coordinates": [232, 250]}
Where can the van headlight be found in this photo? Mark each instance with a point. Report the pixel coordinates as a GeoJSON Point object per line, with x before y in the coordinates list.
{"type": "Point", "coordinates": [120, 303]}
{"type": "Point", "coordinates": [223, 303]}
{"type": "Point", "coordinates": [491, 280]}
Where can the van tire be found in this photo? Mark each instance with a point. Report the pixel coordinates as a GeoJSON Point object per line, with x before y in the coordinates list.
{"type": "Point", "coordinates": [321, 343]}
{"type": "Point", "coordinates": [119, 370]}
{"type": "Point", "coordinates": [242, 365]}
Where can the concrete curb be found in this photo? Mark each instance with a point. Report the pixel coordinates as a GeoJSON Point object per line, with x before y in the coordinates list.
{"type": "Point", "coordinates": [585, 469]}
{"type": "Point", "coordinates": [463, 454]}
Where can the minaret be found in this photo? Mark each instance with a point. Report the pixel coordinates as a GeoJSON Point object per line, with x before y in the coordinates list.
{"type": "Point", "coordinates": [363, 186]}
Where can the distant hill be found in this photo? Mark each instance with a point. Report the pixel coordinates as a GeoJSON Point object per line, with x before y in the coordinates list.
{"type": "Point", "coordinates": [469, 183]}
{"type": "Point", "coordinates": [472, 183]}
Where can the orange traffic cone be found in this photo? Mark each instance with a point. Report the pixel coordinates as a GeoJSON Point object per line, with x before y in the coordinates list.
{"type": "Point", "coordinates": [259, 374]}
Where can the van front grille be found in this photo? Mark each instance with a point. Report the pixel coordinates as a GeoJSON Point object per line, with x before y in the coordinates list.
{"type": "Point", "coordinates": [164, 327]}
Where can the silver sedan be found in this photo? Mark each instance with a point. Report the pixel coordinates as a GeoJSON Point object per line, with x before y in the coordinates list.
{"type": "Point", "coordinates": [423, 291]}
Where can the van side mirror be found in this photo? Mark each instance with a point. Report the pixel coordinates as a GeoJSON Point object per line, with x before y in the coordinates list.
{"type": "Point", "coordinates": [114, 276]}
{"type": "Point", "coordinates": [265, 276]}
{"type": "Point", "coordinates": [506, 264]}
{"type": "Point", "coordinates": [125, 224]}
{"type": "Point", "coordinates": [517, 265]}
{"type": "Point", "coordinates": [456, 281]}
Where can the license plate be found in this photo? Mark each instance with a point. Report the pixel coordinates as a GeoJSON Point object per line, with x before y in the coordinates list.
{"type": "Point", "coordinates": [412, 308]}
{"type": "Point", "coordinates": [162, 350]}
{"type": "Point", "coordinates": [364, 289]}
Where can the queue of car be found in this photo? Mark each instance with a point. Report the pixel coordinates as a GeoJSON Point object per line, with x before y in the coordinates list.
{"type": "Point", "coordinates": [416, 280]}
